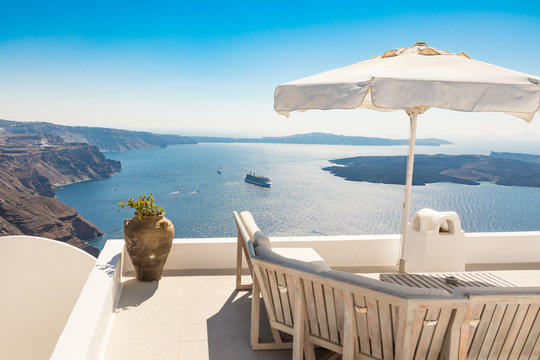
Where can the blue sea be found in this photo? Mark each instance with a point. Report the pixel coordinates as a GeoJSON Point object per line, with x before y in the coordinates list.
{"type": "Point", "coordinates": [303, 199]}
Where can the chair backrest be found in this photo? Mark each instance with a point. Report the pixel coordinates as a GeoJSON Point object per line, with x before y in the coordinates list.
{"type": "Point", "coordinates": [278, 289]}
{"type": "Point", "coordinates": [504, 323]}
{"type": "Point", "coordinates": [280, 280]}
{"type": "Point", "coordinates": [244, 238]}
{"type": "Point", "coordinates": [351, 313]}
{"type": "Point", "coordinates": [390, 321]}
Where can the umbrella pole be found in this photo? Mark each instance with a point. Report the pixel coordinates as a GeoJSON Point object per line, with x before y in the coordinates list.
{"type": "Point", "coordinates": [413, 114]}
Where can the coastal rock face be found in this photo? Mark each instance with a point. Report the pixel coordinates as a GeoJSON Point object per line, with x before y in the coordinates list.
{"type": "Point", "coordinates": [30, 165]}
{"type": "Point", "coordinates": [34, 159]}
{"type": "Point", "coordinates": [105, 139]}
{"type": "Point", "coordinates": [22, 214]}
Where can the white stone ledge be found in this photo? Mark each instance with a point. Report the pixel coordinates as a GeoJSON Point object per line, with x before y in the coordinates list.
{"type": "Point", "coordinates": [337, 251]}
{"type": "Point", "coordinates": [87, 329]}
{"type": "Point", "coordinates": [353, 250]}
{"type": "Point", "coordinates": [503, 247]}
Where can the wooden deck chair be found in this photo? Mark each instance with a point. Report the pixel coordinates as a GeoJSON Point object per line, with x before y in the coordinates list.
{"type": "Point", "coordinates": [245, 247]}
{"type": "Point", "coordinates": [501, 323]}
{"type": "Point", "coordinates": [358, 317]}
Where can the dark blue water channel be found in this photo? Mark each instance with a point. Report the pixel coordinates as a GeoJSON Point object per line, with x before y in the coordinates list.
{"type": "Point", "coordinates": [303, 200]}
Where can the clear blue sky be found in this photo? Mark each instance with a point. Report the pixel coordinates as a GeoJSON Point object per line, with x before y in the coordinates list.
{"type": "Point", "coordinates": [212, 67]}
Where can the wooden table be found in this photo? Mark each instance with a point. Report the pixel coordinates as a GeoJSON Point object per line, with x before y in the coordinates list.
{"type": "Point", "coordinates": [439, 280]}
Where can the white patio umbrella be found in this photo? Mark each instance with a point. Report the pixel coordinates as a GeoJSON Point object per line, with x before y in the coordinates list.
{"type": "Point", "coordinates": [414, 79]}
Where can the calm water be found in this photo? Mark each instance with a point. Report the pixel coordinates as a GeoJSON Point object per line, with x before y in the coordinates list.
{"type": "Point", "coordinates": [303, 200]}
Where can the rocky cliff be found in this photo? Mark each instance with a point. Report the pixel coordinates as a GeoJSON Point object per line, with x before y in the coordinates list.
{"type": "Point", "coordinates": [104, 138]}
{"type": "Point", "coordinates": [30, 167]}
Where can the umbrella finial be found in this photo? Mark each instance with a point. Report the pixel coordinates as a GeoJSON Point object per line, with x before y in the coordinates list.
{"type": "Point", "coordinates": [420, 43]}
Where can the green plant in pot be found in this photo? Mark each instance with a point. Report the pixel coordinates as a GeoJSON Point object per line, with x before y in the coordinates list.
{"type": "Point", "coordinates": [148, 236]}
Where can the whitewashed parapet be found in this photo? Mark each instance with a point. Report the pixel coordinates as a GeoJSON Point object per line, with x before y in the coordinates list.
{"type": "Point", "coordinates": [503, 247]}
{"type": "Point", "coordinates": [87, 330]}
{"type": "Point", "coordinates": [352, 250]}
{"type": "Point", "coordinates": [337, 251]}
{"type": "Point", "coordinates": [41, 282]}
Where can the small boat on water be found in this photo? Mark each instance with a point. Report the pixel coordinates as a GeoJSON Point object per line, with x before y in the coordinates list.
{"type": "Point", "coordinates": [219, 169]}
{"type": "Point", "coordinates": [258, 180]}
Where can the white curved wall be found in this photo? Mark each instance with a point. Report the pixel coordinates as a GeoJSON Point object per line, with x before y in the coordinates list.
{"type": "Point", "coordinates": [41, 280]}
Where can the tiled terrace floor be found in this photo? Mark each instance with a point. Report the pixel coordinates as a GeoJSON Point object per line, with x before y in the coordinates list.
{"type": "Point", "coordinates": [185, 317]}
{"type": "Point", "coordinates": [201, 317]}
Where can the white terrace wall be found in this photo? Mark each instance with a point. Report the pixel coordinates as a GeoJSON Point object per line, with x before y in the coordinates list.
{"type": "Point", "coordinates": [87, 331]}
{"type": "Point", "coordinates": [41, 281]}
{"type": "Point", "coordinates": [337, 251]}
{"type": "Point", "coordinates": [503, 248]}
{"type": "Point", "coordinates": [352, 251]}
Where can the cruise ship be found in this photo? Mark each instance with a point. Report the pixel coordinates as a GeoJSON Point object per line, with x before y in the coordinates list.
{"type": "Point", "coordinates": [258, 180]}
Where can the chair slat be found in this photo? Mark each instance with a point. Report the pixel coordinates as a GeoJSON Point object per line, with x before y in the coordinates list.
{"type": "Point", "coordinates": [362, 324]}
{"type": "Point", "coordinates": [292, 290]}
{"type": "Point", "coordinates": [410, 325]}
{"type": "Point", "coordinates": [349, 339]}
{"type": "Point", "coordinates": [374, 327]}
{"type": "Point", "coordinates": [395, 311]}
{"type": "Point", "coordinates": [526, 326]}
{"type": "Point", "coordinates": [494, 325]}
{"type": "Point", "coordinates": [417, 326]}
{"type": "Point", "coordinates": [275, 296]}
{"type": "Point", "coordinates": [331, 313]}
{"type": "Point", "coordinates": [481, 331]}
{"type": "Point", "coordinates": [531, 338]}
{"type": "Point", "coordinates": [311, 309]}
{"type": "Point", "coordinates": [513, 332]}
{"type": "Point", "coordinates": [475, 315]}
{"type": "Point", "coordinates": [321, 310]}
{"type": "Point", "coordinates": [387, 338]}
{"type": "Point", "coordinates": [283, 291]}
{"type": "Point", "coordinates": [502, 333]}
{"type": "Point", "coordinates": [426, 334]}
{"type": "Point", "coordinates": [340, 311]}
{"type": "Point", "coordinates": [536, 350]}
{"type": "Point", "coordinates": [438, 335]}
{"type": "Point", "coordinates": [267, 293]}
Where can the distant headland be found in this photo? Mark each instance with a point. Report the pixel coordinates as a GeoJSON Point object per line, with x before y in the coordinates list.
{"type": "Point", "coordinates": [323, 139]}
{"type": "Point", "coordinates": [108, 139]}
{"type": "Point", "coordinates": [509, 169]}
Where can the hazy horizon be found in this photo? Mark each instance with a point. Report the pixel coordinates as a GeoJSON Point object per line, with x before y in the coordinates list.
{"type": "Point", "coordinates": [482, 144]}
{"type": "Point", "coordinates": [212, 68]}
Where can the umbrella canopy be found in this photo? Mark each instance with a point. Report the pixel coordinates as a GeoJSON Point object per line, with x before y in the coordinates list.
{"type": "Point", "coordinates": [414, 79]}
{"type": "Point", "coordinates": [419, 76]}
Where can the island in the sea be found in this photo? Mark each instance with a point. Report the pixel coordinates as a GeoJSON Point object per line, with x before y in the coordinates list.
{"type": "Point", "coordinates": [499, 168]}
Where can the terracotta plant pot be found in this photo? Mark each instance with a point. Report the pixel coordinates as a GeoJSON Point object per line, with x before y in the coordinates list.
{"type": "Point", "coordinates": [148, 242]}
